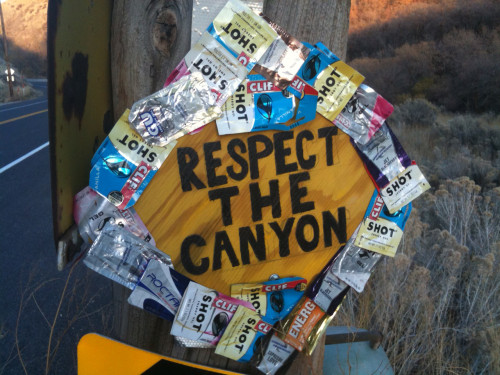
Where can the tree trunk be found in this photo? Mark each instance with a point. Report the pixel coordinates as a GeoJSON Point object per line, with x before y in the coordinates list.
{"type": "Point", "coordinates": [147, 43]}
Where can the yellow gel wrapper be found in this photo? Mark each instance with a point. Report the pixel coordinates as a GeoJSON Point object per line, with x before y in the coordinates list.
{"type": "Point", "coordinates": [252, 293]}
{"type": "Point", "coordinates": [244, 32]}
{"type": "Point", "coordinates": [336, 84]}
{"type": "Point", "coordinates": [240, 333]}
{"type": "Point", "coordinates": [381, 235]}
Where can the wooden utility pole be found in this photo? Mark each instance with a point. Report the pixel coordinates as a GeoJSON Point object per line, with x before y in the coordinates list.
{"type": "Point", "coordinates": [147, 43]}
{"type": "Point", "coordinates": [9, 75]}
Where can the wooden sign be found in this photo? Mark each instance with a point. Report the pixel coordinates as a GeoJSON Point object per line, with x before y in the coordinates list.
{"type": "Point", "coordinates": [239, 208]}
{"type": "Point", "coordinates": [101, 355]}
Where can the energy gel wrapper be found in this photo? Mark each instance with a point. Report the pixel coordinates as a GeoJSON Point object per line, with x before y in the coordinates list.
{"type": "Point", "coordinates": [276, 354]}
{"type": "Point", "coordinates": [335, 81]}
{"type": "Point", "coordinates": [364, 114]}
{"type": "Point", "coordinates": [159, 290]}
{"type": "Point", "coordinates": [243, 33]}
{"type": "Point", "coordinates": [221, 71]}
{"type": "Point", "coordinates": [272, 299]}
{"type": "Point", "coordinates": [383, 156]}
{"type": "Point", "coordinates": [124, 164]}
{"type": "Point", "coordinates": [303, 327]}
{"type": "Point", "coordinates": [259, 105]}
{"type": "Point", "coordinates": [174, 111]}
{"type": "Point", "coordinates": [243, 336]}
{"type": "Point", "coordinates": [95, 211]}
{"type": "Point", "coordinates": [391, 169]}
{"type": "Point", "coordinates": [204, 314]}
{"type": "Point", "coordinates": [354, 264]}
{"type": "Point", "coordinates": [283, 58]}
{"type": "Point", "coordinates": [381, 231]}
{"type": "Point", "coordinates": [122, 257]}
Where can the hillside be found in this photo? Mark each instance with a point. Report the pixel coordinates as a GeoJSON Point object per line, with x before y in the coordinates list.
{"type": "Point", "coordinates": [26, 29]}
{"type": "Point", "coordinates": [446, 54]}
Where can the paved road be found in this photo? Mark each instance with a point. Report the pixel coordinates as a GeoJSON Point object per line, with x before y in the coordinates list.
{"type": "Point", "coordinates": [28, 278]}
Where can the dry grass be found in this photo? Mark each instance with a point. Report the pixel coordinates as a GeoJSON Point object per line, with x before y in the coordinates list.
{"type": "Point", "coordinates": [436, 302]}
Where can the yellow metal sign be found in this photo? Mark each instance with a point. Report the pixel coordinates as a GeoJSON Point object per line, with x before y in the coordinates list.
{"type": "Point", "coordinates": [99, 355]}
{"type": "Point", "coordinates": [238, 208]}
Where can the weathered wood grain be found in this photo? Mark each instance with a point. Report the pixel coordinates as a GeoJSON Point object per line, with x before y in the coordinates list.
{"type": "Point", "coordinates": [171, 214]}
{"type": "Point", "coordinates": [148, 39]}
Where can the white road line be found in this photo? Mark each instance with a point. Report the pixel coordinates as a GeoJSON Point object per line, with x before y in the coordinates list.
{"type": "Point", "coordinates": [10, 165]}
{"type": "Point", "coordinates": [22, 106]}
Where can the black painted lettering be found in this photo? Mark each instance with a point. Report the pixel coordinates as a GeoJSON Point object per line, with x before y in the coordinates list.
{"type": "Point", "coordinates": [299, 145]}
{"type": "Point", "coordinates": [283, 235]}
{"type": "Point", "coordinates": [257, 242]}
{"type": "Point", "coordinates": [186, 168]}
{"type": "Point", "coordinates": [211, 164]}
{"type": "Point", "coordinates": [296, 193]}
{"type": "Point", "coordinates": [281, 152]}
{"type": "Point", "coordinates": [231, 150]}
{"type": "Point", "coordinates": [300, 233]}
{"type": "Point", "coordinates": [339, 227]}
{"type": "Point", "coordinates": [187, 261]}
{"type": "Point", "coordinates": [224, 194]}
{"type": "Point", "coordinates": [255, 155]}
{"type": "Point", "coordinates": [328, 134]}
{"type": "Point", "coordinates": [258, 201]}
{"type": "Point", "coordinates": [222, 243]}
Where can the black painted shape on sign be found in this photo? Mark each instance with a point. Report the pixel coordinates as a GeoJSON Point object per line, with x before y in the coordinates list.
{"type": "Point", "coordinates": [165, 367]}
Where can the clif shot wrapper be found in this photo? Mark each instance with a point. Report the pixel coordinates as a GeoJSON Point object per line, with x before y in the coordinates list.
{"type": "Point", "coordinates": [220, 70]}
{"type": "Point", "coordinates": [277, 353]}
{"type": "Point", "coordinates": [273, 299]}
{"type": "Point", "coordinates": [303, 327]}
{"type": "Point", "coordinates": [364, 114]}
{"type": "Point", "coordinates": [259, 105]}
{"type": "Point", "coordinates": [396, 177]}
{"type": "Point", "coordinates": [243, 33]}
{"type": "Point", "coordinates": [204, 314]}
{"type": "Point", "coordinates": [335, 81]}
{"type": "Point", "coordinates": [174, 111]}
{"type": "Point", "coordinates": [122, 257]}
{"type": "Point", "coordinates": [283, 58]}
{"type": "Point", "coordinates": [124, 164]}
{"type": "Point", "coordinates": [94, 211]}
{"type": "Point", "coordinates": [381, 231]}
{"type": "Point", "coordinates": [243, 336]}
{"type": "Point", "coordinates": [159, 290]}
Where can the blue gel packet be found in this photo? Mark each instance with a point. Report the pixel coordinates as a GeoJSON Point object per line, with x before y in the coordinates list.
{"type": "Point", "coordinates": [159, 290]}
{"type": "Point", "coordinates": [124, 164]}
{"type": "Point", "coordinates": [274, 299]}
{"type": "Point", "coordinates": [258, 105]}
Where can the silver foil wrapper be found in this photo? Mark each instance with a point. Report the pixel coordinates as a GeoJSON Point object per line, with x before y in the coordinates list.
{"type": "Point", "coordinates": [354, 264]}
{"type": "Point", "coordinates": [122, 257]}
{"type": "Point", "coordinates": [275, 355]}
{"type": "Point", "coordinates": [174, 111]}
{"type": "Point", "coordinates": [283, 59]}
{"type": "Point", "coordinates": [364, 114]}
{"type": "Point", "coordinates": [100, 211]}
{"type": "Point", "coordinates": [383, 153]}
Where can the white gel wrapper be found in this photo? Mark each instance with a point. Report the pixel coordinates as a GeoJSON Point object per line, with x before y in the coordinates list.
{"type": "Point", "coordinates": [276, 354]}
{"type": "Point", "coordinates": [204, 314]}
{"type": "Point", "coordinates": [122, 257]}
{"type": "Point", "coordinates": [97, 211]}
